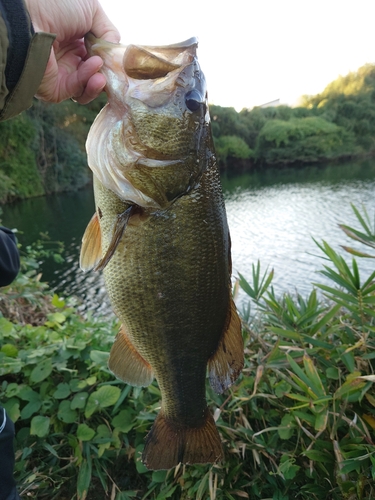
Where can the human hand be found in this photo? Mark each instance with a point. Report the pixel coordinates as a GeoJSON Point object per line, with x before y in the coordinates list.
{"type": "Point", "coordinates": [70, 72]}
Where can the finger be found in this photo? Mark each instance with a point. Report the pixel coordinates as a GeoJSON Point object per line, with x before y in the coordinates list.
{"type": "Point", "coordinates": [94, 87]}
{"type": "Point", "coordinates": [76, 82]}
{"type": "Point", "coordinates": [102, 27]}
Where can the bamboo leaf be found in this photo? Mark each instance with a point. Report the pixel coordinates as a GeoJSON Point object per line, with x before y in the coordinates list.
{"type": "Point", "coordinates": [313, 375]}
{"type": "Point", "coordinates": [303, 377]}
{"type": "Point", "coordinates": [349, 387]}
{"type": "Point", "coordinates": [361, 219]}
{"type": "Point", "coordinates": [321, 421]}
{"type": "Point", "coordinates": [370, 281]}
{"type": "Point", "coordinates": [246, 287]}
{"type": "Point", "coordinates": [325, 319]}
{"type": "Point", "coordinates": [84, 479]}
{"type": "Point", "coordinates": [318, 456]}
{"type": "Point", "coordinates": [370, 420]}
{"type": "Point", "coordinates": [357, 235]}
{"type": "Point", "coordinates": [289, 334]}
{"type": "Point", "coordinates": [357, 281]}
{"type": "Point", "coordinates": [298, 397]}
{"type": "Point", "coordinates": [357, 253]}
{"type": "Point", "coordinates": [341, 280]}
{"type": "Point", "coordinates": [337, 293]}
{"type": "Point", "coordinates": [317, 343]}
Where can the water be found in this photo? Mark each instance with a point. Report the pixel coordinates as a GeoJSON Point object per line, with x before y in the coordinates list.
{"type": "Point", "coordinates": [275, 220]}
{"type": "Point", "coordinates": [272, 216]}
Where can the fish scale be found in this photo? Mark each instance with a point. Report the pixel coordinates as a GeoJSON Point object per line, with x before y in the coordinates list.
{"type": "Point", "coordinates": [161, 237]}
{"type": "Point", "coordinates": [152, 134]}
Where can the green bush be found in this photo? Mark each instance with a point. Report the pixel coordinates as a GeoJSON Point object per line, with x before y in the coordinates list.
{"type": "Point", "coordinates": [230, 148]}
{"type": "Point", "coordinates": [299, 422]}
{"type": "Point", "coordinates": [307, 139]}
{"type": "Point", "coordinates": [19, 176]}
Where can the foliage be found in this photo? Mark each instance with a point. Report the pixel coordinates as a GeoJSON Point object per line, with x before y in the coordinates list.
{"type": "Point", "coordinates": [230, 148]}
{"type": "Point", "coordinates": [27, 301]}
{"type": "Point", "coordinates": [60, 155]}
{"type": "Point", "coordinates": [336, 124]}
{"type": "Point", "coordinates": [354, 83]}
{"type": "Point", "coordinates": [349, 101]}
{"type": "Point", "coordinates": [19, 176]}
{"type": "Point", "coordinates": [302, 139]}
{"type": "Point", "coordinates": [299, 423]}
{"type": "Point", "coordinates": [43, 150]}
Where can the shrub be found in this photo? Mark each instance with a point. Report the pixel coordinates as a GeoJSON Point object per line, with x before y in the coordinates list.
{"type": "Point", "coordinates": [230, 148]}
{"type": "Point", "coordinates": [19, 176]}
{"type": "Point", "coordinates": [302, 139]}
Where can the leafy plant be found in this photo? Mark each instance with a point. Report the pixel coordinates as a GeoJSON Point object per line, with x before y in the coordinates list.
{"type": "Point", "coordinates": [230, 148]}
{"type": "Point", "coordinates": [298, 423]}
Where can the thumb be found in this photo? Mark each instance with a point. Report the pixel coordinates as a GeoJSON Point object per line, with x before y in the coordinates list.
{"type": "Point", "coordinates": [102, 27]}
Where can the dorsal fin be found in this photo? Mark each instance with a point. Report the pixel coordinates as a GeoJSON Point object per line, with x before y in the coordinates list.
{"type": "Point", "coordinates": [126, 362]}
{"type": "Point", "coordinates": [226, 363]}
{"type": "Point", "coordinates": [91, 249]}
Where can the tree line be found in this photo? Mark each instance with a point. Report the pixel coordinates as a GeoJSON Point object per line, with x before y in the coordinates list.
{"type": "Point", "coordinates": [43, 150]}
{"type": "Point", "coordinates": [336, 124]}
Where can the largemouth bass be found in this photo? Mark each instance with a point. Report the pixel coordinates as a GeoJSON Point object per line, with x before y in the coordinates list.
{"type": "Point", "coordinates": [161, 237]}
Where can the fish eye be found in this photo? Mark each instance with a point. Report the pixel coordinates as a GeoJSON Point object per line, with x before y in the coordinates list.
{"type": "Point", "coordinates": [193, 100]}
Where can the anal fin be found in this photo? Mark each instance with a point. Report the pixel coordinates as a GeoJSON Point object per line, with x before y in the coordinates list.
{"type": "Point", "coordinates": [91, 249]}
{"type": "Point", "coordinates": [126, 362]}
{"type": "Point", "coordinates": [226, 363]}
{"type": "Point", "coordinates": [169, 443]}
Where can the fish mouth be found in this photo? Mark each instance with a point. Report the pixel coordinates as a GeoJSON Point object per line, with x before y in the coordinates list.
{"type": "Point", "coordinates": [165, 53]}
{"type": "Point", "coordinates": [146, 144]}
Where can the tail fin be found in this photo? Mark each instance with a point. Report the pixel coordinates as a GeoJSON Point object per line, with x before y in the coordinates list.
{"type": "Point", "coordinates": [168, 443]}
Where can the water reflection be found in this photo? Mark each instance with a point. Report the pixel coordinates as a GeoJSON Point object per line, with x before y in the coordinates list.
{"type": "Point", "coordinates": [277, 225]}
{"type": "Point", "coordinates": [272, 215]}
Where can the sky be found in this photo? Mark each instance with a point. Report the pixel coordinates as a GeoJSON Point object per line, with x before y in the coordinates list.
{"type": "Point", "coordinates": [253, 52]}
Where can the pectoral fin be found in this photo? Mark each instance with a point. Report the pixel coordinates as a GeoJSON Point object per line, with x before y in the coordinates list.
{"type": "Point", "coordinates": [127, 364]}
{"type": "Point", "coordinates": [121, 223]}
{"type": "Point", "coordinates": [91, 249]}
{"type": "Point", "coordinates": [226, 363]}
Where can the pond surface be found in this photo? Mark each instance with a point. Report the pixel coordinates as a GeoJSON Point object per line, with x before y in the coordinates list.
{"type": "Point", "coordinates": [273, 216]}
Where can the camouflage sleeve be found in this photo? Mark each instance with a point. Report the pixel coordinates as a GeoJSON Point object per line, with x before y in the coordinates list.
{"type": "Point", "coordinates": [23, 58]}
